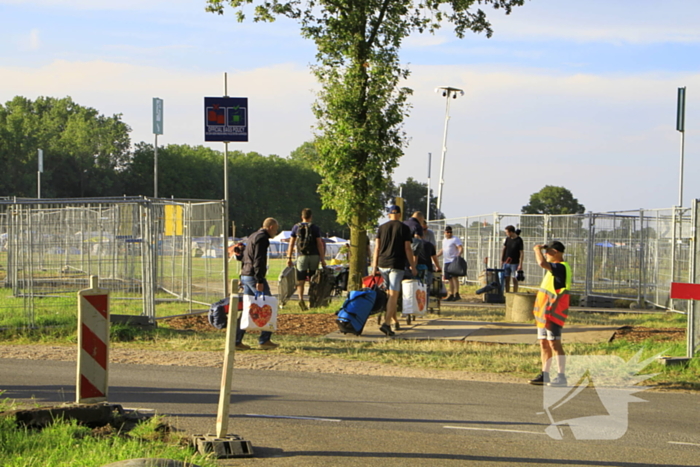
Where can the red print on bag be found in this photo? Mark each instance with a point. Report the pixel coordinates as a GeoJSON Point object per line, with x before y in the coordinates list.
{"type": "Point", "coordinates": [260, 316]}
{"type": "Point", "coordinates": [420, 298]}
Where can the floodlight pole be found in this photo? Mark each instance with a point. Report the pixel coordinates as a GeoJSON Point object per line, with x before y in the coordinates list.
{"type": "Point", "coordinates": [427, 209]}
{"type": "Point", "coordinates": [447, 92]}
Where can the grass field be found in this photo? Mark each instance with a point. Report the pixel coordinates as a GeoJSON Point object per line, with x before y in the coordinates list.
{"type": "Point", "coordinates": [65, 443]}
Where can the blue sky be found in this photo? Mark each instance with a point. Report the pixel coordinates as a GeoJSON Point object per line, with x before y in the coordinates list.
{"type": "Point", "coordinates": [580, 94]}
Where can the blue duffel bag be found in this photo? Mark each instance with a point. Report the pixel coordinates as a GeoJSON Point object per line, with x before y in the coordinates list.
{"type": "Point", "coordinates": [355, 311]}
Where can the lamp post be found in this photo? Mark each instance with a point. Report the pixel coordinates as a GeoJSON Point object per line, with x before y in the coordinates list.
{"type": "Point", "coordinates": [447, 92]}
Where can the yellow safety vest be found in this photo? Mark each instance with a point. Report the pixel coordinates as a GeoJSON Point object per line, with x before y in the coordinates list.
{"type": "Point", "coordinates": [552, 304]}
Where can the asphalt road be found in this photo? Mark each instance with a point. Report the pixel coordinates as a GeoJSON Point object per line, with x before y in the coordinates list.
{"type": "Point", "coordinates": [309, 419]}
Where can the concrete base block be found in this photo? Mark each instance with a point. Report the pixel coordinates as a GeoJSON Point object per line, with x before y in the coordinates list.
{"type": "Point", "coordinates": [223, 448]}
{"type": "Point", "coordinates": [519, 307]}
{"type": "Point", "coordinates": [672, 361]}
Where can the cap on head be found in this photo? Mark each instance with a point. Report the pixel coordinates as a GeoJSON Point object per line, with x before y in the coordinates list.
{"type": "Point", "coordinates": [394, 209]}
{"type": "Point", "coordinates": [556, 245]}
{"type": "Point", "coordinates": [448, 229]}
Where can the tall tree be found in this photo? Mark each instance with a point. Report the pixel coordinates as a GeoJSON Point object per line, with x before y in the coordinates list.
{"type": "Point", "coordinates": [84, 150]}
{"type": "Point", "coordinates": [415, 195]}
{"type": "Point", "coordinates": [553, 200]}
{"type": "Point", "coordinates": [360, 108]}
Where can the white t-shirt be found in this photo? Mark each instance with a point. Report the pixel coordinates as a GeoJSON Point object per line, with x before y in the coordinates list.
{"type": "Point", "coordinates": [449, 248]}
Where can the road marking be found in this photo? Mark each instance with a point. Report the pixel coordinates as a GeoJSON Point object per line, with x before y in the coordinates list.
{"type": "Point", "coordinates": [493, 429]}
{"type": "Point", "coordinates": [685, 444]}
{"type": "Point", "coordinates": [294, 418]}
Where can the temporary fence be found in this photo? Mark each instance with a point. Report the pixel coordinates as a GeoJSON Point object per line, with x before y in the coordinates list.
{"type": "Point", "coordinates": [148, 252]}
{"type": "Point", "coordinates": [633, 255]}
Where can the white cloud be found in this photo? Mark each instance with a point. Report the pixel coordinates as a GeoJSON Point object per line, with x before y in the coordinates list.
{"type": "Point", "coordinates": [34, 40]}
{"type": "Point", "coordinates": [610, 139]}
{"type": "Point", "coordinates": [279, 98]}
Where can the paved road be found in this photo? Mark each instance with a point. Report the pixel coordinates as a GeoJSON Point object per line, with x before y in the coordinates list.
{"type": "Point", "coordinates": [355, 420]}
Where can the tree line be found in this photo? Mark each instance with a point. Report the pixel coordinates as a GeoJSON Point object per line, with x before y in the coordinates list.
{"type": "Point", "coordinates": [89, 155]}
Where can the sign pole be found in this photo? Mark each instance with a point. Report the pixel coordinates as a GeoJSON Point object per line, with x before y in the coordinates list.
{"type": "Point", "coordinates": [680, 126]}
{"type": "Point", "coordinates": [40, 169]}
{"type": "Point", "coordinates": [225, 229]}
{"type": "Point", "coordinates": [157, 130]}
{"type": "Point", "coordinates": [155, 168]}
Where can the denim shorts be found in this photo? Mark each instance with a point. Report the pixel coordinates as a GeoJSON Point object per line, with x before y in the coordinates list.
{"type": "Point", "coordinates": [392, 278]}
{"type": "Point", "coordinates": [551, 334]}
{"type": "Point", "coordinates": [509, 269]}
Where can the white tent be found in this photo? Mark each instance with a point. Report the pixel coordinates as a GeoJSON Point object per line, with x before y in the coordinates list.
{"type": "Point", "coordinates": [338, 240]}
{"type": "Point", "coordinates": [284, 236]}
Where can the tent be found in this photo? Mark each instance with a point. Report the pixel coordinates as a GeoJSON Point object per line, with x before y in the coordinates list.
{"type": "Point", "coordinates": [284, 236]}
{"type": "Point", "coordinates": [338, 240]}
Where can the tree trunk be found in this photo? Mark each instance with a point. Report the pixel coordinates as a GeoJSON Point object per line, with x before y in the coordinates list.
{"type": "Point", "coordinates": [358, 251]}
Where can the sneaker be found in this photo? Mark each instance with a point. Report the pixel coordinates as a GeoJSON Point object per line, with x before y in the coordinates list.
{"type": "Point", "coordinates": [269, 345]}
{"type": "Point", "coordinates": [559, 381]}
{"type": "Point", "coordinates": [449, 298]}
{"type": "Point", "coordinates": [457, 297]}
{"type": "Point", "coordinates": [541, 379]}
{"type": "Point", "coordinates": [386, 329]}
{"type": "Point", "coordinates": [302, 305]}
{"type": "Point", "coordinates": [242, 346]}
{"type": "Point", "coordinates": [397, 327]}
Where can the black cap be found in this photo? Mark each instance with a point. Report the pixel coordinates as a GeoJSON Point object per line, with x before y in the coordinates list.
{"type": "Point", "coordinates": [556, 245]}
{"type": "Point", "coordinates": [394, 209]}
{"type": "Point", "coordinates": [448, 229]}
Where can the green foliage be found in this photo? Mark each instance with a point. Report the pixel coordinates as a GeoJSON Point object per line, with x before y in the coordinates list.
{"type": "Point", "coordinates": [414, 194]}
{"type": "Point", "coordinates": [361, 106]}
{"type": "Point", "coordinates": [83, 150]}
{"type": "Point", "coordinates": [553, 200]}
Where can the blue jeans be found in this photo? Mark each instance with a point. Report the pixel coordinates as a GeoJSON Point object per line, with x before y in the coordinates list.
{"type": "Point", "coordinates": [248, 283]}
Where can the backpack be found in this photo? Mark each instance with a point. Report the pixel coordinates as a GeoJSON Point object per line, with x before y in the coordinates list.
{"type": "Point", "coordinates": [417, 247]}
{"type": "Point", "coordinates": [304, 238]}
{"type": "Point", "coordinates": [218, 314]}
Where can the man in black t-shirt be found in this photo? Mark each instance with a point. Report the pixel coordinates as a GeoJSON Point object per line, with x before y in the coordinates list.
{"type": "Point", "coordinates": [312, 250]}
{"type": "Point", "coordinates": [512, 257]}
{"type": "Point", "coordinates": [392, 248]}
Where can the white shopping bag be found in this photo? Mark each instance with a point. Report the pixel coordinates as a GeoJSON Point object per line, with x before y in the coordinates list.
{"type": "Point", "coordinates": [415, 297]}
{"type": "Point", "coordinates": [259, 313]}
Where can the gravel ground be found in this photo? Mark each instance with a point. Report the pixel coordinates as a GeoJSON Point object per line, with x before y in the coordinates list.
{"type": "Point", "coordinates": [299, 324]}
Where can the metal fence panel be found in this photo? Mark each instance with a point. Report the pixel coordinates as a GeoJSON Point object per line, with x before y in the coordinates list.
{"type": "Point", "coordinates": [632, 255]}
{"type": "Point", "coordinates": [50, 248]}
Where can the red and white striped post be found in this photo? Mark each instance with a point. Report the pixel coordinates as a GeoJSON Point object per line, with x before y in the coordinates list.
{"type": "Point", "coordinates": [93, 344]}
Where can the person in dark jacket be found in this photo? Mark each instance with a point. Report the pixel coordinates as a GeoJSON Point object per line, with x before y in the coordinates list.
{"type": "Point", "coordinates": [253, 274]}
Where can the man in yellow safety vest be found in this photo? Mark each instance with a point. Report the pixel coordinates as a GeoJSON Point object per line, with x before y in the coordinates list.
{"type": "Point", "coordinates": [551, 310]}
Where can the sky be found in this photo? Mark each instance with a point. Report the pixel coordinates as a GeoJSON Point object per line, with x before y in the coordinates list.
{"type": "Point", "coordinates": [580, 94]}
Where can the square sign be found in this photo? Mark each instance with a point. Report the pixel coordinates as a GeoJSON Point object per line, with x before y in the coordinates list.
{"type": "Point", "coordinates": [226, 119]}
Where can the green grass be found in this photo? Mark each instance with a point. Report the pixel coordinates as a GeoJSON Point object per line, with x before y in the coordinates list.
{"type": "Point", "coordinates": [521, 361]}
{"type": "Point", "coordinates": [66, 443]}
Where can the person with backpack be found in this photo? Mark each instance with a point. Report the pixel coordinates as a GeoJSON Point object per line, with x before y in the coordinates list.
{"type": "Point", "coordinates": [311, 251]}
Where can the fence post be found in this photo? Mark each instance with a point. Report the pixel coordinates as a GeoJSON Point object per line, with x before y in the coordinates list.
{"type": "Point", "coordinates": [693, 329]}
{"type": "Point", "coordinates": [93, 344]}
{"type": "Point", "coordinates": [641, 296]}
{"type": "Point", "coordinates": [590, 266]}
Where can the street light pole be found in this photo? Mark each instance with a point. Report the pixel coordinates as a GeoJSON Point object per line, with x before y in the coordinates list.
{"type": "Point", "coordinates": [447, 92]}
